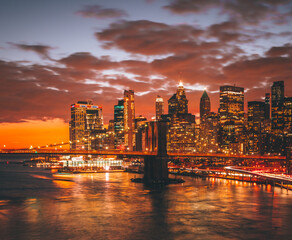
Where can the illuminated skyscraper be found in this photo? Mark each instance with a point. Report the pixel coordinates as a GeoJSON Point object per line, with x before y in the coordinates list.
{"type": "Point", "coordinates": [231, 118]}
{"type": "Point", "coordinates": [205, 105]}
{"type": "Point", "coordinates": [181, 129]}
{"type": "Point", "coordinates": [181, 133]}
{"type": "Point", "coordinates": [85, 118]}
{"type": "Point", "coordinates": [159, 107]}
{"type": "Point", "coordinates": [178, 103]}
{"type": "Point", "coordinates": [129, 119]}
{"type": "Point", "coordinates": [119, 124]}
{"type": "Point", "coordinates": [256, 117]}
{"type": "Point", "coordinates": [231, 104]}
{"type": "Point", "coordinates": [278, 107]}
{"type": "Point", "coordinates": [208, 133]}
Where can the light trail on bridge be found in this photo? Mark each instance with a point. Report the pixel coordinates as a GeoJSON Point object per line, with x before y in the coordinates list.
{"type": "Point", "coordinates": [264, 175]}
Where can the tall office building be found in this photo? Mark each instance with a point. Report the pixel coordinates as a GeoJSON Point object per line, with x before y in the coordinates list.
{"type": "Point", "coordinates": [208, 133]}
{"type": "Point", "coordinates": [178, 103]}
{"type": "Point", "coordinates": [85, 118]}
{"type": "Point", "coordinates": [288, 115]}
{"type": "Point", "coordinates": [231, 118]}
{"type": "Point", "coordinates": [181, 133]}
{"type": "Point", "coordinates": [129, 119]}
{"type": "Point", "coordinates": [278, 107]}
{"type": "Point", "coordinates": [205, 105]}
{"type": "Point", "coordinates": [256, 117]}
{"type": "Point", "coordinates": [181, 126]}
{"type": "Point", "coordinates": [231, 103]}
{"type": "Point", "coordinates": [268, 106]}
{"type": "Point", "coordinates": [119, 124]}
{"type": "Point", "coordinates": [159, 107]}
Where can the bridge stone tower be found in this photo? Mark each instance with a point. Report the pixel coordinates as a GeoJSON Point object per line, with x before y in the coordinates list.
{"type": "Point", "coordinates": [155, 167]}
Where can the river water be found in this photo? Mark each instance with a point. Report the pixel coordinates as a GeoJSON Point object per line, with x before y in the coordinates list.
{"type": "Point", "coordinates": [36, 205]}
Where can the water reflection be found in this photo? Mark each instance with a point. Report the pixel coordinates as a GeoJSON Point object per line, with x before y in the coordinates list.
{"type": "Point", "coordinates": [110, 206]}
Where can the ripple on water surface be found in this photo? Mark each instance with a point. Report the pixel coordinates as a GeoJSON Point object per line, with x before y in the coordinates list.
{"type": "Point", "coordinates": [35, 204]}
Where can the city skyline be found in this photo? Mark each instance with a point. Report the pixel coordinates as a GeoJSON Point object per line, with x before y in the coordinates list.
{"type": "Point", "coordinates": [146, 46]}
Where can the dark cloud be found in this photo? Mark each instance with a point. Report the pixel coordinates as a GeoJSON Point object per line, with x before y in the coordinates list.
{"type": "Point", "coordinates": [226, 31]}
{"type": "Point", "coordinates": [84, 60]}
{"type": "Point", "coordinates": [42, 50]}
{"type": "Point", "coordinates": [249, 11]}
{"type": "Point", "coordinates": [285, 50]}
{"type": "Point", "coordinates": [96, 11]}
{"type": "Point", "coordinates": [38, 92]}
{"type": "Point", "coordinates": [149, 38]}
{"type": "Point", "coordinates": [34, 92]}
{"type": "Point", "coordinates": [261, 71]}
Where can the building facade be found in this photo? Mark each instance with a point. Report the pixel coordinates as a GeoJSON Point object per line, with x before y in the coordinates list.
{"type": "Point", "coordinates": [277, 112]}
{"type": "Point", "coordinates": [85, 118]}
{"type": "Point", "coordinates": [129, 120]}
{"type": "Point", "coordinates": [208, 133]}
{"type": "Point", "coordinates": [268, 106]}
{"type": "Point", "coordinates": [119, 124]}
{"type": "Point", "coordinates": [178, 103]}
{"type": "Point", "coordinates": [181, 125]}
{"type": "Point", "coordinates": [159, 107]}
{"type": "Point", "coordinates": [256, 128]}
{"type": "Point", "coordinates": [231, 118]}
{"type": "Point", "coordinates": [288, 115]}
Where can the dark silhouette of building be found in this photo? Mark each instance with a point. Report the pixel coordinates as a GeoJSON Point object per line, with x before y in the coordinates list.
{"type": "Point", "coordinates": [278, 107]}
{"type": "Point", "coordinates": [268, 106]}
{"type": "Point", "coordinates": [205, 105]}
{"type": "Point", "coordinates": [288, 115]}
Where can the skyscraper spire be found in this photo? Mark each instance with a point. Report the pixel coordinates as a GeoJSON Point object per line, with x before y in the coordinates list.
{"type": "Point", "coordinates": [178, 103]}
{"type": "Point", "coordinates": [205, 105]}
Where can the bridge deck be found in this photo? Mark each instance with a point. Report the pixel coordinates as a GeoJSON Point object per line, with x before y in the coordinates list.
{"type": "Point", "coordinates": [134, 153]}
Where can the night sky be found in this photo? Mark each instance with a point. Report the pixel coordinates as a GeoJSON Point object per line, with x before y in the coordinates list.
{"type": "Point", "coordinates": [54, 53]}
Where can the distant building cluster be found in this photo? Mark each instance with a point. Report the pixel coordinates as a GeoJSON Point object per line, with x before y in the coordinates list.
{"type": "Point", "coordinates": [266, 128]}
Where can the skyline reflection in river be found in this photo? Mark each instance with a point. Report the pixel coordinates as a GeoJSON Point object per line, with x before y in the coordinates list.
{"type": "Point", "coordinates": [35, 205]}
